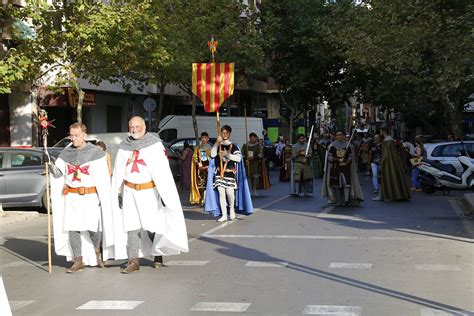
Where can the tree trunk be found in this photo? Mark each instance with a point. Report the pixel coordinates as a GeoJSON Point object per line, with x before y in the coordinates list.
{"type": "Point", "coordinates": [455, 117]}
{"type": "Point", "coordinates": [161, 103]}
{"type": "Point", "coordinates": [195, 125]}
{"type": "Point", "coordinates": [80, 100]}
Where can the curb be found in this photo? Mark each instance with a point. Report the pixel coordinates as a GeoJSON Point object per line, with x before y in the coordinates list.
{"type": "Point", "coordinates": [13, 217]}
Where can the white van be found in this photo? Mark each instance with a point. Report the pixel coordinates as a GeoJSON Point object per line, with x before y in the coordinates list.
{"type": "Point", "coordinates": [175, 126]}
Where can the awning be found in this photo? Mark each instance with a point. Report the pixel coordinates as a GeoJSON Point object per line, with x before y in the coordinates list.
{"type": "Point", "coordinates": [63, 97]}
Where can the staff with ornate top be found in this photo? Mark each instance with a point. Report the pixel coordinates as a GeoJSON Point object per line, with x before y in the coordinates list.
{"type": "Point", "coordinates": [45, 124]}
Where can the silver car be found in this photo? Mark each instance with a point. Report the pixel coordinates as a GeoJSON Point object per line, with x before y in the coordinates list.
{"type": "Point", "coordinates": [448, 152]}
{"type": "Point", "coordinates": [22, 177]}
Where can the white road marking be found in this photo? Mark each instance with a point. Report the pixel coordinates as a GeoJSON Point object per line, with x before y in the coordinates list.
{"type": "Point", "coordinates": [435, 312]}
{"type": "Point", "coordinates": [186, 263]}
{"type": "Point", "coordinates": [4, 305]}
{"type": "Point", "coordinates": [407, 238]}
{"type": "Point", "coordinates": [342, 265]}
{"type": "Point", "coordinates": [220, 307]}
{"type": "Point", "coordinates": [274, 264]}
{"type": "Point", "coordinates": [437, 267]}
{"type": "Point", "coordinates": [115, 305]}
{"type": "Point", "coordinates": [347, 217]}
{"type": "Point", "coordinates": [327, 209]}
{"type": "Point", "coordinates": [16, 305]}
{"type": "Point", "coordinates": [227, 223]}
{"type": "Point", "coordinates": [332, 310]}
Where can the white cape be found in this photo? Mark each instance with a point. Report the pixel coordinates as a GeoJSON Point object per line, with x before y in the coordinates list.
{"type": "Point", "coordinates": [159, 208]}
{"type": "Point", "coordinates": [99, 171]}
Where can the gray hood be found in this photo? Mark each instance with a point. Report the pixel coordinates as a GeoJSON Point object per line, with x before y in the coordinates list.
{"type": "Point", "coordinates": [132, 144]}
{"type": "Point", "coordinates": [76, 156]}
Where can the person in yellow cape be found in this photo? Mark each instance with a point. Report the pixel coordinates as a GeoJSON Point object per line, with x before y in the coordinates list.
{"type": "Point", "coordinates": [199, 168]}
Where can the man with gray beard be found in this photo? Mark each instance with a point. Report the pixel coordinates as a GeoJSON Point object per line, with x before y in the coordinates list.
{"type": "Point", "coordinates": [150, 221]}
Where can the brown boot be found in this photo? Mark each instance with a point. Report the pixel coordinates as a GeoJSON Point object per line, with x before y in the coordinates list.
{"type": "Point", "coordinates": [132, 265]}
{"type": "Point", "coordinates": [98, 254]}
{"type": "Point", "coordinates": [158, 262]}
{"type": "Point", "coordinates": [78, 266]}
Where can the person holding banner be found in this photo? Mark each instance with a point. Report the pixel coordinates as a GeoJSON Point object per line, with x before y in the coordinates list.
{"type": "Point", "coordinates": [341, 184]}
{"type": "Point", "coordinates": [227, 185]}
{"type": "Point", "coordinates": [81, 202]}
{"type": "Point", "coordinates": [302, 175]}
{"type": "Point", "coordinates": [199, 166]}
{"type": "Point", "coordinates": [150, 220]}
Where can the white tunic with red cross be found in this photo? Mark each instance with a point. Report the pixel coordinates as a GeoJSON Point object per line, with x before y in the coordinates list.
{"type": "Point", "coordinates": [145, 209]}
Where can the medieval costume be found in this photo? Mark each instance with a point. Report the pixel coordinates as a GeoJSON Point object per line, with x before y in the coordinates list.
{"type": "Point", "coordinates": [186, 165]}
{"type": "Point", "coordinates": [255, 166]}
{"type": "Point", "coordinates": [341, 184]}
{"type": "Point", "coordinates": [301, 172]}
{"type": "Point", "coordinates": [393, 182]}
{"type": "Point", "coordinates": [150, 220]}
{"type": "Point", "coordinates": [199, 168]}
{"type": "Point", "coordinates": [318, 155]}
{"type": "Point", "coordinates": [285, 169]}
{"type": "Point", "coordinates": [82, 206]}
{"type": "Point", "coordinates": [265, 183]}
{"type": "Point", "coordinates": [227, 188]}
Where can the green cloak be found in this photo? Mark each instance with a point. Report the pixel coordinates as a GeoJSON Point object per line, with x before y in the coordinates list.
{"type": "Point", "coordinates": [393, 184]}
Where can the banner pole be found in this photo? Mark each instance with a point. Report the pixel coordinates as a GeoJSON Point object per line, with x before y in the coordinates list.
{"type": "Point", "coordinates": [219, 135]}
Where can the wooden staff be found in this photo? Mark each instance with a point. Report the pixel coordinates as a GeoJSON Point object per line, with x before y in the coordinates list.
{"type": "Point", "coordinates": [218, 121]}
{"type": "Point", "coordinates": [247, 163]}
{"type": "Point", "coordinates": [44, 125]}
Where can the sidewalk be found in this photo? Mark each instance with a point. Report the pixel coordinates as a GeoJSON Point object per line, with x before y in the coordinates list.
{"type": "Point", "coordinates": [14, 217]}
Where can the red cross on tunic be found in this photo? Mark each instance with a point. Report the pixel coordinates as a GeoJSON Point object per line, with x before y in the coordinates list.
{"type": "Point", "coordinates": [77, 171]}
{"type": "Point", "coordinates": [134, 159]}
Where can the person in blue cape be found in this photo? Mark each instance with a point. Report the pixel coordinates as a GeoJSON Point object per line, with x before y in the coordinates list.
{"type": "Point", "coordinates": [227, 187]}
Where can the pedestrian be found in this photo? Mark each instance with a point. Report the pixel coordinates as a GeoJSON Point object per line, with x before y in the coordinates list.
{"type": "Point", "coordinates": [279, 146]}
{"type": "Point", "coordinates": [81, 202]}
{"type": "Point", "coordinates": [302, 174]}
{"type": "Point", "coordinates": [450, 138]}
{"type": "Point", "coordinates": [285, 169]}
{"type": "Point", "coordinates": [375, 156]}
{"type": "Point", "coordinates": [226, 174]}
{"type": "Point", "coordinates": [253, 155]}
{"type": "Point", "coordinates": [393, 184]}
{"type": "Point", "coordinates": [318, 156]}
{"type": "Point", "coordinates": [150, 221]}
{"type": "Point", "coordinates": [199, 166]}
{"type": "Point", "coordinates": [103, 146]}
{"type": "Point", "coordinates": [265, 183]}
{"type": "Point", "coordinates": [341, 184]}
{"type": "Point", "coordinates": [186, 158]}
{"type": "Point", "coordinates": [364, 148]}
{"type": "Point", "coordinates": [420, 153]}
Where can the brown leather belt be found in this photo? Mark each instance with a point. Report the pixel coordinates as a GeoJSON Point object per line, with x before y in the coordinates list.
{"type": "Point", "coordinates": [140, 186]}
{"type": "Point", "coordinates": [81, 190]}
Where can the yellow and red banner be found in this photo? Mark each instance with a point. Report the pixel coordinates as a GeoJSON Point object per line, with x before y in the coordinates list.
{"type": "Point", "coordinates": [213, 83]}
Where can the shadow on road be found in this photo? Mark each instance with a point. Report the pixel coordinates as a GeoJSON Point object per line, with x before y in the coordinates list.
{"type": "Point", "coordinates": [249, 254]}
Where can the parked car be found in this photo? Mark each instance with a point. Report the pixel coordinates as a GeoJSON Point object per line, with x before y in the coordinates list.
{"type": "Point", "coordinates": [178, 144]}
{"type": "Point", "coordinates": [112, 140]}
{"type": "Point", "coordinates": [22, 177]}
{"type": "Point", "coordinates": [448, 152]}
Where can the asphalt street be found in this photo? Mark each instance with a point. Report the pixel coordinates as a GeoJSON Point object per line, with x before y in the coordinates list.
{"type": "Point", "coordinates": [293, 256]}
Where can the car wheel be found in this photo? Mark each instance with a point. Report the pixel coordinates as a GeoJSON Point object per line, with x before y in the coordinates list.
{"type": "Point", "coordinates": [44, 206]}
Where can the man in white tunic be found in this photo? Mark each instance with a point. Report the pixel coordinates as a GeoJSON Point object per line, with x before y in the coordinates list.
{"type": "Point", "coordinates": [81, 201]}
{"type": "Point", "coordinates": [151, 220]}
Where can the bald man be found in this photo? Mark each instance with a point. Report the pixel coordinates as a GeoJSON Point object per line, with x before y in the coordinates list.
{"type": "Point", "coordinates": [149, 220]}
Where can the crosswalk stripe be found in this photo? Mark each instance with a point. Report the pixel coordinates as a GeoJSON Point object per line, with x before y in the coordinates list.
{"type": "Point", "coordinates": [4, 305]}
{"type": "Point", "coordinates": [332, 310]}
{"type": "Point", "coordinates": [186, 263]}
{"type": "Point", "coordinates": [115, 305]}
{"type": "Point", "coordinates": [437, 267]}
{"type": "Point", "coordinates": [16, 305]}
{"type": "Point", "coordinates": [220, 307]}
{"type": "Point", "coordinates": [343, 265]}
{"type": "Point", "coordinates": [435, 312]}
{"type": "Point", "coordinates": [275, 264]}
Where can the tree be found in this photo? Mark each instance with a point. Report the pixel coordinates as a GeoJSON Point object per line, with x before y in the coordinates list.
{"type": "Point", "coordinates": [420, 49]}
